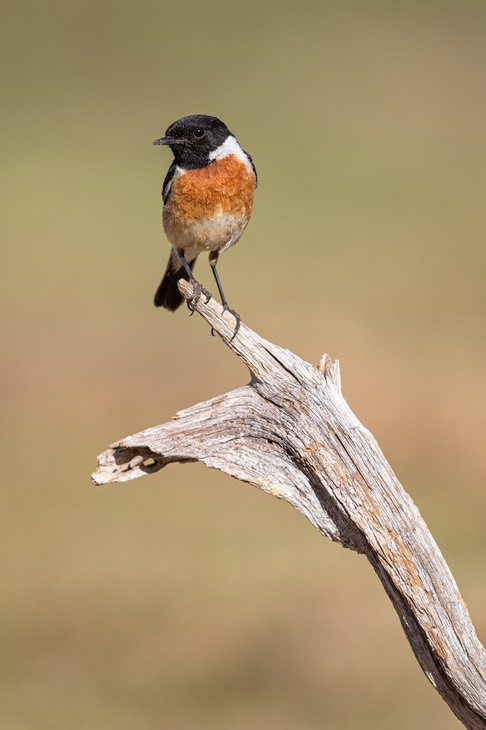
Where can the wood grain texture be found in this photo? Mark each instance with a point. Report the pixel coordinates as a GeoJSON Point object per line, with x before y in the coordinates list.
{"type": "Point", "coordinates": [291, 433]}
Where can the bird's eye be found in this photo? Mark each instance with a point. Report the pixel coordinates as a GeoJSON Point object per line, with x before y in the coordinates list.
{"type": "Point", "coordinates": [199, 133]}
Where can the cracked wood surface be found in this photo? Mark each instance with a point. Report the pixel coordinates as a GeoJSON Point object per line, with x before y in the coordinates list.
{"type": "Point", "coordinates": [291, 433]}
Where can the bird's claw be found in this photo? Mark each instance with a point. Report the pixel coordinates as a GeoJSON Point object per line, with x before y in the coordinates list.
{"type": "Point", "coordinates": [197, 291]}
{"type": "Point", "coordinates": [237, 320]}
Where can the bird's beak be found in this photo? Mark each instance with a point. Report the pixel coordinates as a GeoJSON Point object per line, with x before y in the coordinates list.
{"type": "Point", "coordinates": [168, 141]}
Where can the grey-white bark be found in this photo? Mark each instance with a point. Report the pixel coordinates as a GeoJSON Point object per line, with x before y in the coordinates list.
{"type": "Point", "coordinates": [291, 433]}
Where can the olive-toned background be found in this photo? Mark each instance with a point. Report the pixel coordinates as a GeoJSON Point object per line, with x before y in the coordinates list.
{"type": "Point", "coordinates": [187, 600]}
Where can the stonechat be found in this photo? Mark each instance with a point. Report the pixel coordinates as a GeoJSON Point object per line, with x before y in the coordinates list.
{"type": "Point", "coordinates": [207, 200]}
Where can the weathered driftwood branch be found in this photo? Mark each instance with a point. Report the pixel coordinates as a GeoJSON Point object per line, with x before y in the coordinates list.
{"type": "Point", "coordinates": [291, 433]}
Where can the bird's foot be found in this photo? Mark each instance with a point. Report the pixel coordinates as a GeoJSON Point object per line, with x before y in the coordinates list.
{"type": "Point", "coordinates": [237, 320]}
{"type": "Point", "coordinates": [197, 292]}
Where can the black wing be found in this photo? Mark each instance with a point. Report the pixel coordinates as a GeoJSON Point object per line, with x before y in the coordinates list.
{"type": "Point", "coordinates": [253, 166]}
{"type": "Point", "coordinates": [168, 182]}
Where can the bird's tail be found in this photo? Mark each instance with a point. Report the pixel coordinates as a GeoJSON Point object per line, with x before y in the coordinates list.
{"type": "Point", "coordinates": [168, 294]}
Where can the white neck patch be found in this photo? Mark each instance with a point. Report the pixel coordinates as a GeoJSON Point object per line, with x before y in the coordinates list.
{"type": "Point", "coordinates": [230, 147]}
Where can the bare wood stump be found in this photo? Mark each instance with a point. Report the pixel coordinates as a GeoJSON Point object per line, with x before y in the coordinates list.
{"type": "Point", "coordinates": [290, 432]}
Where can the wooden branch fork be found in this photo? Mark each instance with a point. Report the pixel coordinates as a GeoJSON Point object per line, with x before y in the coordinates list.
{"type": "Point", "coordinates": [290, 432]}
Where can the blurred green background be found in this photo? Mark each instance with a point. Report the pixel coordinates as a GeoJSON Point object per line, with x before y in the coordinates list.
{"type": "Point", "coordinates": [187, 600]}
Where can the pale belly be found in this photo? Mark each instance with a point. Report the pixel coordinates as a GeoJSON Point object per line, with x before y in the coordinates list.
{"type": "Point", "coordinates": [198, 236]}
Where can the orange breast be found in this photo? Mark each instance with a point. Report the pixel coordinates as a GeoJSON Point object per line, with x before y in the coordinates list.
{"type": "Point", "coordinates": [224, 186]}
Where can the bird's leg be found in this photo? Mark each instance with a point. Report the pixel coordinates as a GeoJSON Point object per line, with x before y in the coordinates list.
{"type": "Point", "coordinates": [182, 259]}
{"type": "Point", "coordinates": [213, 260]}
{"type": "Point", "coordinates": [197, 288]}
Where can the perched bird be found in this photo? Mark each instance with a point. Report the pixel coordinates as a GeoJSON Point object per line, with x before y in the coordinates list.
{"type": "Point", "coordinates": [207, 200]}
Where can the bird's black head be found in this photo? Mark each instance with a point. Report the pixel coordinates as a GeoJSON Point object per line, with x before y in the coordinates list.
{"type": "Point", "coordinates": [193, 138]}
